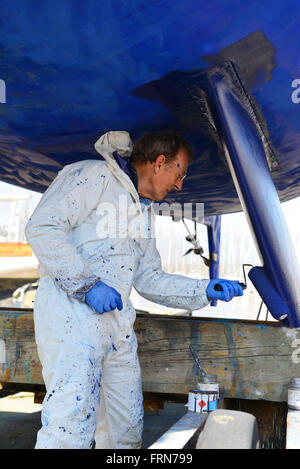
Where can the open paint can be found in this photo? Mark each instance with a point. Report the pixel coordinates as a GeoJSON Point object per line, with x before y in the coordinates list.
{"type": "Point", "coordinates": [205, 397]}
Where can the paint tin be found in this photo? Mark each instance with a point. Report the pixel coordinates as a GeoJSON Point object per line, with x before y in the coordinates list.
{"type": "Point", "coordinates": [205, 397]}
{"type": "Point", "coordinates": [294, 394]}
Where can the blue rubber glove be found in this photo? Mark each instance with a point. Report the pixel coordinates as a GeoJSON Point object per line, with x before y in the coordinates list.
{"type": "Point", "coordinates": [103, 298]}
{"type": "Point", "coordinates": [224, 290]}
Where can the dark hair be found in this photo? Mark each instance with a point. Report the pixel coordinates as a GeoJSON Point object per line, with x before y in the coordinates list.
{"type": "Point", "coordinates": [152, 144]}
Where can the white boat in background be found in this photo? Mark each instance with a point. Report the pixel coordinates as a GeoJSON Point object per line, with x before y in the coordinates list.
{"type": "Point", "coordinates": [16, 258]}
{"type": "Point", "coordinates": [19, 267]}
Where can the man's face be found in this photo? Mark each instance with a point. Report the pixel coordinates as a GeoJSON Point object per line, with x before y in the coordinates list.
{"type": "Point", "coordinates": [168, 176]}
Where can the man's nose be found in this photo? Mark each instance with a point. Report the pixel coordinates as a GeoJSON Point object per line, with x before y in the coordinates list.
{"type": "Point", "coordinates": [178, 185]}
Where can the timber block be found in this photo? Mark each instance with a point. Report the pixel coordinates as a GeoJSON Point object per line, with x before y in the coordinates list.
{"type": "Point", "coordinates": [252, 360]}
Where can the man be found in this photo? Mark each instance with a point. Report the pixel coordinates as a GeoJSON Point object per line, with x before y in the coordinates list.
{"type": "Point", "coordinates": [83, 317]}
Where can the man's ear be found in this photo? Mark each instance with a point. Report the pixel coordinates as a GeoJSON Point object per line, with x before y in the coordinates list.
{"type": "Point", "coordinates": [159, 162]}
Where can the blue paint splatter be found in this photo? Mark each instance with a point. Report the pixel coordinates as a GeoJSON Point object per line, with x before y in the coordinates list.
{"type": "Point", "coordinates": [262, 328]}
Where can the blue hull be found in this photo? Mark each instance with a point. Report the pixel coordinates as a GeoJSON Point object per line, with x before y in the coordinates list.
{"type": "Point", "coordinates": [74, 70]}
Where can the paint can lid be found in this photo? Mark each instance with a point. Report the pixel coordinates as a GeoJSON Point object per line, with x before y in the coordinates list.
{"type": "Point", "coordinates": [208, 379]}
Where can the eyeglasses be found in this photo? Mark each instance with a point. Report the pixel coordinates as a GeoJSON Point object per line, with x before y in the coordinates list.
{"type": "Point", "coordinates": [181, 178]}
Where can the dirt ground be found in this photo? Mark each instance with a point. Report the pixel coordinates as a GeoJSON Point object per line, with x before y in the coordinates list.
{"type": "Point", "coordinates": [20, 420]}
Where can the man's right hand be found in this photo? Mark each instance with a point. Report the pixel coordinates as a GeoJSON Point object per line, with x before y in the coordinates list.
{"type": "Point", "coordinates": [103, 298]}
{"type": "Point", "coordinates": [224, 290]}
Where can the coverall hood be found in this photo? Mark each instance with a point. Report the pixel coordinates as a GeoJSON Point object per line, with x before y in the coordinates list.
{"type": "Point", "coordinates": [120, 141]}
{"type": "Point", "coordinates": [109, 142]}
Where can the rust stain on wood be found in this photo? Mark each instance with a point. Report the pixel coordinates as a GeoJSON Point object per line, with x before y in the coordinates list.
{"type": "Point", "coordinates": [6, 375]}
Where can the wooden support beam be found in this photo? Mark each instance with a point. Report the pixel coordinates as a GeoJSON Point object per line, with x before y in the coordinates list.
{"type": "Point", "coordinates": [252, 360]}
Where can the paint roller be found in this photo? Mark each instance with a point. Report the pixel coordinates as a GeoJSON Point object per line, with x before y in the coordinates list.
{"type": "Point", "coordinates": [260, 279]}
{"type": "Point", "coordinates": [275, 304]}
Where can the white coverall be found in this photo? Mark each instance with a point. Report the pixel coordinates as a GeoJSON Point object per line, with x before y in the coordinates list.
{"type": "Point", "coordinates": [80, 349]}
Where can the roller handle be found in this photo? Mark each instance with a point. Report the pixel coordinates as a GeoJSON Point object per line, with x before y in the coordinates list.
{"type": "Point", "coordinates": [218, 287]}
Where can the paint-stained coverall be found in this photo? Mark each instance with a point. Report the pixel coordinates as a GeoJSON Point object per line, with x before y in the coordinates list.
{"type": "Point", "coordinates": [80, 349]}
